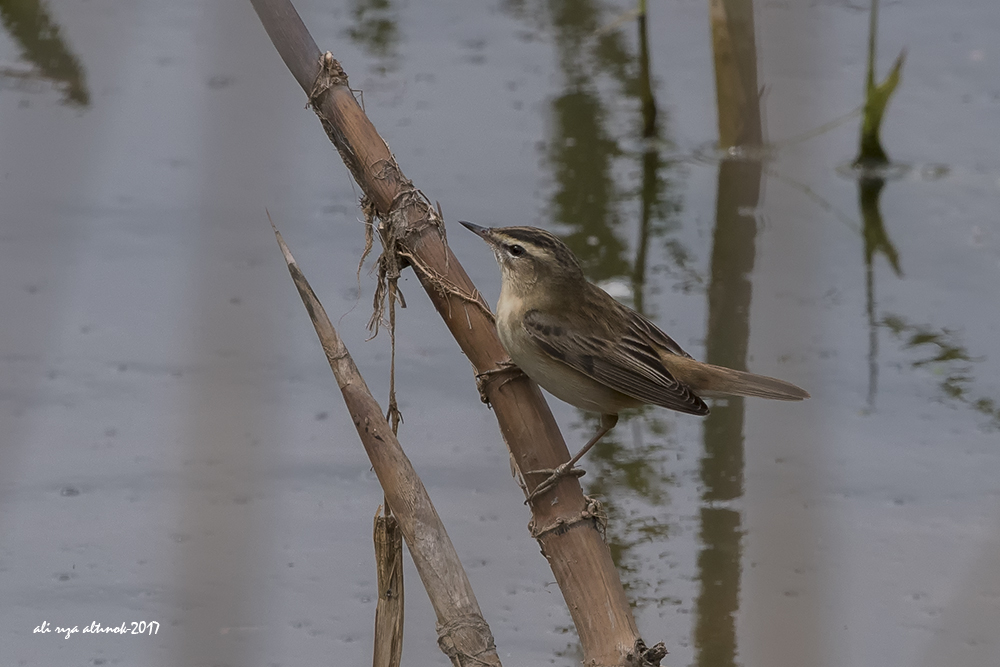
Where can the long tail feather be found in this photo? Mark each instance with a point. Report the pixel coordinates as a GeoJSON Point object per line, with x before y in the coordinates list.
{"type": "Point", "coordinates": [708, 380]}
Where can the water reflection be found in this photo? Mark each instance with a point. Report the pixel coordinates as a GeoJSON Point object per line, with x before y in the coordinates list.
{"type": "Point", "coordinates": [653, 187]}
{"type": "Point", "coordinates": [872, 165]}
{"type": "Point", "coordinates": [582, 151]}
{"type": "Point", "coordinates": [949, 359]}
{"type": "Point", "coordinates": [376, 29]}
{"type": "Point", "coordinates": [581, 154]}
{"type": "Point", "coordinates": [729, 294]}
{"type": "Point", "coordinates": [948, 356]}
{"type": "Point", "coordinates": [876, 240]}
{"type": "Point", "coordinates": [870, 169]}
{"type": "Point", "coordinates": [41, 42]}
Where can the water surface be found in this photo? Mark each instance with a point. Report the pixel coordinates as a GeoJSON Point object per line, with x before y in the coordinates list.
{"type": "Point", "coordinates": [175, 449]}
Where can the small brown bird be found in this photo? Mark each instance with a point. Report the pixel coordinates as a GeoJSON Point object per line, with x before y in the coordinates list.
{"type": "Point", "coordinates": [585, 348]}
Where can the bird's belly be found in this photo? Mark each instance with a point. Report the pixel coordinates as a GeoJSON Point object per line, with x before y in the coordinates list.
{"type": "Point", "coordinates": [565, 383]}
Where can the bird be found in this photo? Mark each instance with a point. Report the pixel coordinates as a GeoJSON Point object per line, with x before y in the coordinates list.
{"type": "Point", "coordinates": [587, 349]}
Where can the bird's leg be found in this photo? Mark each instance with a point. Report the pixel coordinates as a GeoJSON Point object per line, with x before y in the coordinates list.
{"type": "Point", "coordinates": [608, 422]}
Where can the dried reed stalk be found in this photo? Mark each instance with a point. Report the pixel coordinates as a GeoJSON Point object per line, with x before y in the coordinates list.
{"type": "Point", "coordinates": [389, 609]}
{"type": "Point", "coordinates": [463, 634]}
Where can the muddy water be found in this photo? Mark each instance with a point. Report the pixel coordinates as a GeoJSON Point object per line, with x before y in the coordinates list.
{"type": "Point", "coordinates": [174, 448]}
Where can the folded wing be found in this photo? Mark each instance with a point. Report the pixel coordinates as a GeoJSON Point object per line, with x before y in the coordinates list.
{"type": "Point", "coordinates": [629, 365]}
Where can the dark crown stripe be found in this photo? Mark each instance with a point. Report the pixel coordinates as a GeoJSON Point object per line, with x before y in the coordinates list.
{"type": "Point", "coordinates": [533, 236]}
{"type": "Point", "coordinates": [543, 240]}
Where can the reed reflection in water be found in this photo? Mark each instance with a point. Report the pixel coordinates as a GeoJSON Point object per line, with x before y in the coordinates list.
{"type": "Point", "coordinates": [41, 41]}
{"type": "Point", "coordinates": [729, 295]}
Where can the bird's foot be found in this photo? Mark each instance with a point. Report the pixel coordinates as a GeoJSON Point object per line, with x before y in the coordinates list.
{"type": "Point", "coordinates": [504, 367]}
{"type": "Point", "coordinates": [565, 470]}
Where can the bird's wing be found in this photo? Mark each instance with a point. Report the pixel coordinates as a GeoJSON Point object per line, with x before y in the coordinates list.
{"type": "Point", "coordinates": [629, 365]}
{"type": "Point", "coordinates": [641, 328]}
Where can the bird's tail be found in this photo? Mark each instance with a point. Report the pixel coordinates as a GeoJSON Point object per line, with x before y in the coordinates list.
{"type": "Point", "coordinates": [710, 381]}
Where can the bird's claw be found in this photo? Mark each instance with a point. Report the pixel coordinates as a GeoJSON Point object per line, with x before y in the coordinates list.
{"type": "Point", "coordinates": [565, 470]}
{"type": "Point", "coordinates": [505, 366]}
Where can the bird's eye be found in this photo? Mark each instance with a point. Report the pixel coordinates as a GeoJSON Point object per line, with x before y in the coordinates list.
{"type": "Point", "coordinates": [515, 250]}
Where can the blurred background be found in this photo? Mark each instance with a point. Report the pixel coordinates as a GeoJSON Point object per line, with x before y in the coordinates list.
{"type": "Point", "coordinates": [174, 447]}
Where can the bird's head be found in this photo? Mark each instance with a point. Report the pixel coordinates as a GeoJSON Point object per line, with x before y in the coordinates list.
{"type": "Point", "coordinates": [529, 256]}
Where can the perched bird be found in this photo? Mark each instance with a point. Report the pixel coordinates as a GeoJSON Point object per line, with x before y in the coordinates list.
{"type": "Point", "coordinates": [585, 348]}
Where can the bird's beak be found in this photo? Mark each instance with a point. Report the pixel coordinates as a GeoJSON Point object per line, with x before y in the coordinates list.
{"type": "Point", "coordinates": [482, 232]}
